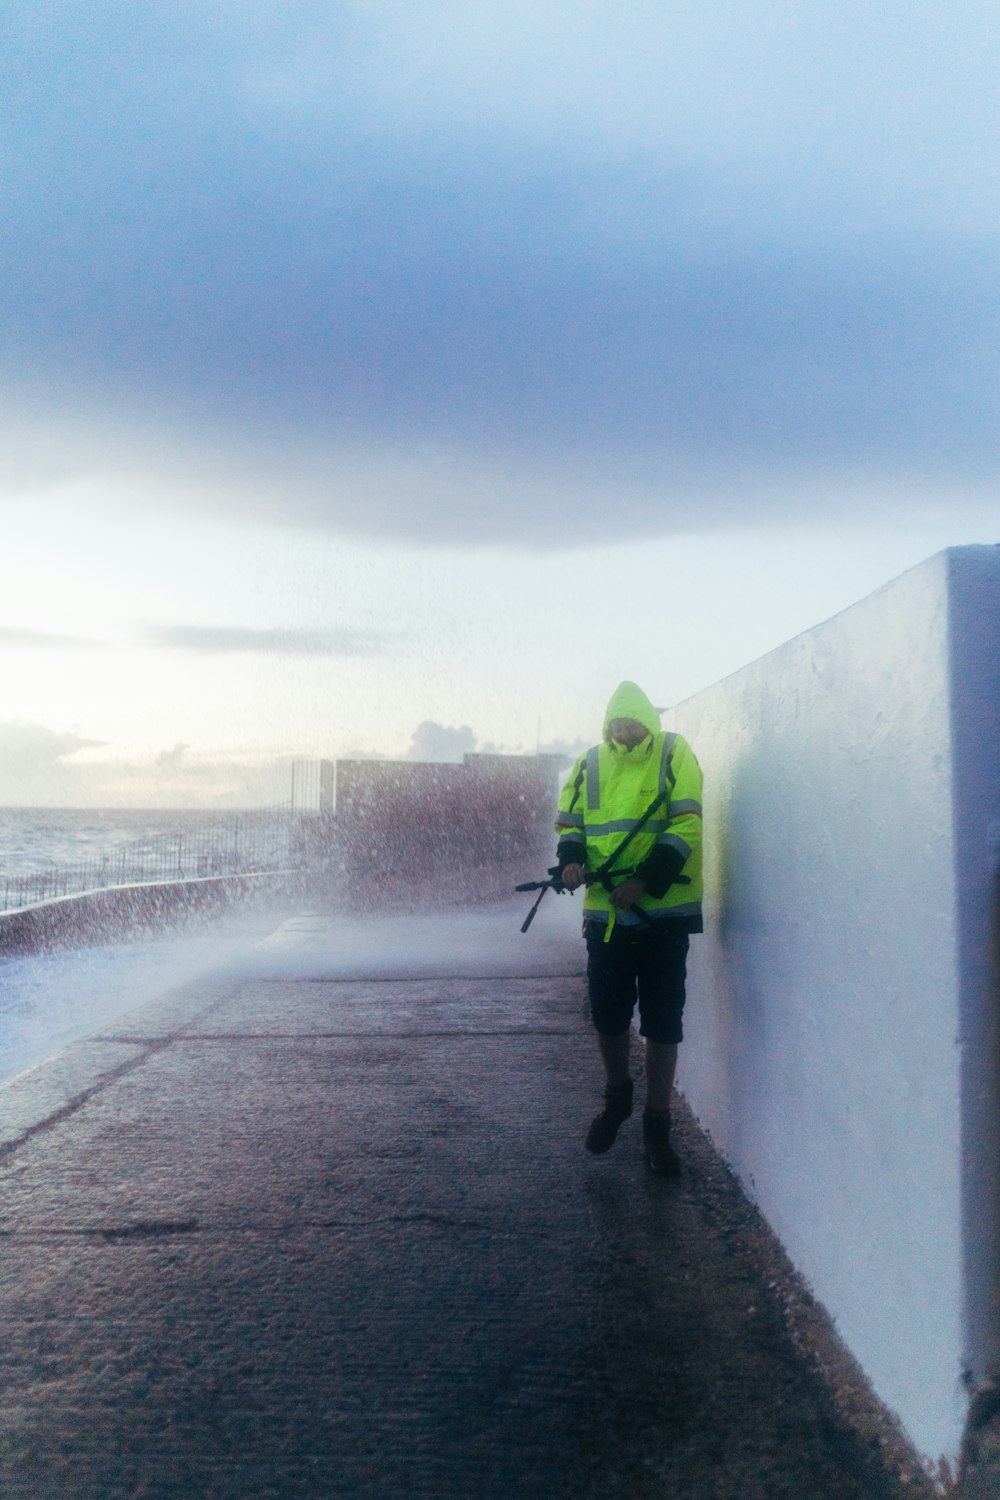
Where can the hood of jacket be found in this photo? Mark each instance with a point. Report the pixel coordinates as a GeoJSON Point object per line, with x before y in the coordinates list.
{"type": "Point", "coordinates": [628, 701]}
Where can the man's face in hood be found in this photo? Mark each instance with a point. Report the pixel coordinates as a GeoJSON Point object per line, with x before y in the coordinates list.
{"type": "Point", "coordinates": [629, 705]}
{"type": "Point", "coordinates": [627, 732]}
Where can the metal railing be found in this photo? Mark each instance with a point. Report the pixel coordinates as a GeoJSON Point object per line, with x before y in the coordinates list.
{"type": "Point", "coordinates": [226, 844]}
{"type": "Point", "coordinates": [313, 786]}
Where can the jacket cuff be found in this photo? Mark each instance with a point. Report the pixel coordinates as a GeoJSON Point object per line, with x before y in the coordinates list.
{"type": "Point", "coordinates": [570, 853]}
{"type": "Point", "coordinates": [660, 869]}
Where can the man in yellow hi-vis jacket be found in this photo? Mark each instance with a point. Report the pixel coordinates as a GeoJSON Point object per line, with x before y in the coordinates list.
{"type": "Point", "coordinates": [629, 826]}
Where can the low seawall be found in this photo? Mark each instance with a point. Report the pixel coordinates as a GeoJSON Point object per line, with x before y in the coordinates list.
{"type": "Point", "coordinates": [121, 911]}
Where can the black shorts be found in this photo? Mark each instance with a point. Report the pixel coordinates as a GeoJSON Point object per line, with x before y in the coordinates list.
{"type": "Point", "coordinates": [650, 961]}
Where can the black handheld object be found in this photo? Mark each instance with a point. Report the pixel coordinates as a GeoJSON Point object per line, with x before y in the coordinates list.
{"type": "Point", "coordinates": [595, 877]}
{"type": "Point", "coordinates": [554, 883]}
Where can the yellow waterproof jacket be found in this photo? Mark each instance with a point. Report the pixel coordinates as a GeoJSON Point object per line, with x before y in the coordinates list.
{"type": "Point", "coordinates": [604, 798]}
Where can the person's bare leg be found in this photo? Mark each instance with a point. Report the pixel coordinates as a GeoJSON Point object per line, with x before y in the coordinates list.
{"type": "Point", "coordinates": [661, 1065]}
{"type": "Point", "coordinates": [617, 1096]}
{"type": "Point", "coordinates": [615, 1053]}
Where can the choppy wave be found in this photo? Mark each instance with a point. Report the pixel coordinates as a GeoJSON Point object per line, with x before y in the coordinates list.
{"type": "Point", "coordinates": [34, 839]}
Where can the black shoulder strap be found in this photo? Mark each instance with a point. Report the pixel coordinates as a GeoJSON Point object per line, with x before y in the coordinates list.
{"type": "Point", "coordinates": [667, 782]}
{"type": "Point", "coordinates": [667, 777]}
{"type": "Point", "coordinates": [577, 784]}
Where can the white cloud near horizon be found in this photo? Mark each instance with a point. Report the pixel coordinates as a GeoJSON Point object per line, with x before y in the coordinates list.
{"type": "Point", "coordinates": [34, 745]}
{"type": "Point", "coordinates": [38, 765]}
{"type": "Point", "coordinates": [440, 742]}
{"type": "Point", "coordinates": [206, 640]}
{"type": "Point", "coordinates": [42, 767]}
{"type": "Point", "coordinates": [14, 638]}
{"type": "Point", "coordinates": [219, 639]}
{"type": "Point", "coordinates": [173, 757]}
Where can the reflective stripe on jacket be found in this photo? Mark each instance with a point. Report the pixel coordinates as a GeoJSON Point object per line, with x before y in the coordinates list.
{"type": "Point", "coordinates": [604, 798]}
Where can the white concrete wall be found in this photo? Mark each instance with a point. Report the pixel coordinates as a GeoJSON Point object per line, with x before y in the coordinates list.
{"type": "Point", "coordinates": [839, 1026]}
{"type": "Point", "coordinates": [975, 678]}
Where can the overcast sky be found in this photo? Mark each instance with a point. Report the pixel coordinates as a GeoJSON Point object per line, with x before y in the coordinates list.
{"type": "Point", "coordinates": [370, 367]}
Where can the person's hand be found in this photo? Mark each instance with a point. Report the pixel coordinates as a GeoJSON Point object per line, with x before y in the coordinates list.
{"type": "Point", "coordinates": [572, 877]}
{"type": "Point", "coordinates": [627, 894]}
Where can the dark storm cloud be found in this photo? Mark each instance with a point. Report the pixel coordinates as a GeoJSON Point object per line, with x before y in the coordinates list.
{"type": "Point", "coordinates": [291, 285]}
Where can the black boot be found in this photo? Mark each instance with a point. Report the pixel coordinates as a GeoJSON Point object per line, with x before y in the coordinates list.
{"type": "Point", "coordinates": [661, 1157]}
{"type": "Point", "coordinates": [605, 1126]}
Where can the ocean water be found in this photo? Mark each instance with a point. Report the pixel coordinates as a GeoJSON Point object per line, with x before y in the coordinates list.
{"type": "Point", "coordinates": [33, 839]}
{"type": "Point", "coordinates": [46, 853]}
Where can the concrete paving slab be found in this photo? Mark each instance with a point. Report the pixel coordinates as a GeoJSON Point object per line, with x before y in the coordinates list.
{"type": "Point", "coordinates": [56, 1086]}
{"type": "Point", "coordinates": [171, 1013]}
{"type": "Point", "coordinates": [275, 1129]}
{"type": "Point", "coordinates": [374, 1260]}
{"type": "Point", "coordinates": [442, 1005]}
{"type": "Point", "coordinates": [483, 941]}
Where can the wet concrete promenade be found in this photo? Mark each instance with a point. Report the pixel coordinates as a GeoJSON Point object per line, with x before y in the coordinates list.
{"type": "Point", "coordinates": [320, 1230]}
